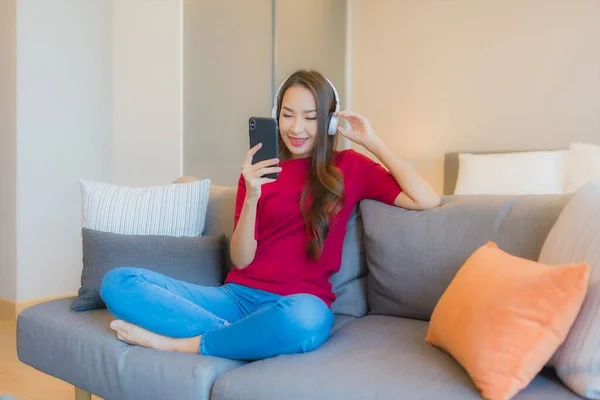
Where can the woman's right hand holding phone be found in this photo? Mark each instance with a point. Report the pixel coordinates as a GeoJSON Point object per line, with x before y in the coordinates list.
{"type": "Point", "coordinates": [253, 173]}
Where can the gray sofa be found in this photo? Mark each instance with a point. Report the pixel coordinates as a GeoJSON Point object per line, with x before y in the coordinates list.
{"type": "Point", "coordinates": [396, 265]}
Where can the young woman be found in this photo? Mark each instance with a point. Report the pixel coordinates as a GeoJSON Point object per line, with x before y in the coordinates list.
{"type": "Point", "coordinates": [287, 240]}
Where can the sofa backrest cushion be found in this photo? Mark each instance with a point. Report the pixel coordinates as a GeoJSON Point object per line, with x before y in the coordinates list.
{"type": "Point", "coordinates": [350, 282]}
{"type": "Point", "coordinates": [412, 256]}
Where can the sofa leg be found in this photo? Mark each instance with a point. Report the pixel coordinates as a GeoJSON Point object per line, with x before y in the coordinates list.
{"type": "Point", "coordinates": [81, 394]}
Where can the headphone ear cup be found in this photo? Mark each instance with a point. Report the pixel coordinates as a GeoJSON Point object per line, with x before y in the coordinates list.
{"type": "Point", "coordinates": [274, 112]}
{"type": "Point", "coordinates": [333, 124]}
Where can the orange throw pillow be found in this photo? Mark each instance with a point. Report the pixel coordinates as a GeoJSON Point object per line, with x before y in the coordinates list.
{"type": "Point", "coordinates": [502, 317]}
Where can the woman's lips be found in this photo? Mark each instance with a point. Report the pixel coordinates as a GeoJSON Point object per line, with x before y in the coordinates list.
{"type": "Point", "coordinates": [297, 142]}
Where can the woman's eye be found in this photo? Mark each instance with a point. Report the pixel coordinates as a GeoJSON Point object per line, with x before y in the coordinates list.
{"type": "Point", "coordinates": [312, 118]}
{"type": "Point", "coordinates": [287, 116]}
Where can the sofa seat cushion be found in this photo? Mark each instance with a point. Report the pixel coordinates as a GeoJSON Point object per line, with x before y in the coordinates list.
{"type": "Point", "coordinates": [374, 357]}
{"type": "Point", "coordinates": [80, 348]}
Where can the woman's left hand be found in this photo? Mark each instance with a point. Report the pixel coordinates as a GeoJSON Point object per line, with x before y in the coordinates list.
{"type": "Point", "coordinates": [360, 131]}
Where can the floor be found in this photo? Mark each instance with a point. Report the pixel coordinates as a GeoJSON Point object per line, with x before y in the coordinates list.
{"type": "Point", "coordinates": [23, 381]}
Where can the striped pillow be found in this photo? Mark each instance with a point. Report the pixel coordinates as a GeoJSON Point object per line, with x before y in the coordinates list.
{"type": "Point", "coordinates": [575, 238]}
{"type": "Point", "coordinates": [170, 210]}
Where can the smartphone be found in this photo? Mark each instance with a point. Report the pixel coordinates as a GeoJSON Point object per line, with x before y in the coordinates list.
{"type": "Point", "coordinates": [264, 130]}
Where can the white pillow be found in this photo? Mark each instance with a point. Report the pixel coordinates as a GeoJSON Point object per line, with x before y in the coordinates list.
{"type": "Point", "coordinates": [177, 209]}
{"type": "Point", "coordinates": [532, 172]}
{"type": "Point", "coordinates": [583, 165]}
{"type": "Point", "coordinates": [575, 238]}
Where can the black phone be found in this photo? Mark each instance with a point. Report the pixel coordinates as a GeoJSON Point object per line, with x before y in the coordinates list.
{"type": "Point", "coordinates": [264, 130]}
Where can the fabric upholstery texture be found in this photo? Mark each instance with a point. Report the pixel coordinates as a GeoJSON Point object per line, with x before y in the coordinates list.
{"type": "Point", "coordinates": [412, 256]}
{"type": "Point", "coordinates": [373, 357]}
{"type": "Point", "coordinates": [80, 348]}
{"type": "Point", "coordinates": [576, 238]}
{"type": "Point", "coordinates": [191, 259]}
{"type": "Point", "coordinates": [172, 210]}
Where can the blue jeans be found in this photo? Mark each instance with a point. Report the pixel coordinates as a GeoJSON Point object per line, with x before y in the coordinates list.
{"type": "Point", "coordinates": [236, 322]}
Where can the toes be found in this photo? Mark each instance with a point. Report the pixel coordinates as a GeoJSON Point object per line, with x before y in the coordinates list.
{"type": "Point", "coordinates": [120, 326]}
{"type": "Point", "coordinates": [116, 324]}
{"type": "Point", "coordinates": [136, 335]}
{"type": "Point", "coordinates": [121, 329]}
{"type": "Point", "coordinates": [122, 338]}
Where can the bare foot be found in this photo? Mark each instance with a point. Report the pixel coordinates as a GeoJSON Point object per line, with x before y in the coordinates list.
{"type": "Point", "coordinates": [136, 335]}
{"type": "Point", "coordinates": [139, 336]}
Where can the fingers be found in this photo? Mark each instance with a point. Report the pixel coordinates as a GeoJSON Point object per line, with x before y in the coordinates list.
{"type": "Point", "coordinates": [262, 181]}
{"type": "Point", "coordinates": [250, 154]}
{"type": "Point", "coordinates": [253, 173]}
{"type": "Point", "coordinates": [342, 130]}
{"type": "Point", "coordinates": [260, 172]}
{"type": "Point", "coordinates": [345, 114]}
{"type": "Point", "coordinates": [265, 171]}
{"type": "Point", "coordinates": [350, 115]}
{"type": "Point", "coordinates": [265, 163]}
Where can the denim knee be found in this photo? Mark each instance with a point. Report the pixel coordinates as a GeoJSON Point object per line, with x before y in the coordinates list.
{"type": "Point", "coordinates": [309, 317]}
{"type": "Point", "coordinates": [114, 281]}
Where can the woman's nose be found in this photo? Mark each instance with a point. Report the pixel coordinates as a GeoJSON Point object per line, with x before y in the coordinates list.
{"type": "Point", "coordinates": [297, 126]}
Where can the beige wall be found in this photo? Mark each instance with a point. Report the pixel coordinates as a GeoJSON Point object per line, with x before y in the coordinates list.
{"type": "Point", "coordinates": [63, 133]}
{"type": "Point", "coordinates": [147, 90]}
{"type": "Point", "coordinates": [8, 148]}
{"type": "Point", "coordinates": [231, 73]}
{"type": "Point", "coordinates": [227, 79]}
{"type": "Point", "coordinates": [462, 75]}
{"type": "Point", "coordinates": [322, 47]}
{"type": "Point", "coordinates": [77, 64]}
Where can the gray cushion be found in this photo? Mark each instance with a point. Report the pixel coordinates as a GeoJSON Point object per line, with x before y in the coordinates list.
{"type": "Point", "coordinates": [191, 259]}
{"type": "Point", "coordinates": [374, 357]}
{"type": "Point", "coordinates": [349, 284]}
{"type": "Point", "coordinates": [340, 321]}
{"type": "Point", "coordinates": [412, 256]}
{"type": "Point", "coordinates": [80, 348]}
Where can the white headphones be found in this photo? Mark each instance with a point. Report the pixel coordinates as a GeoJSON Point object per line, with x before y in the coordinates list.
{"type": "Point", "coordinates": [333, 120]}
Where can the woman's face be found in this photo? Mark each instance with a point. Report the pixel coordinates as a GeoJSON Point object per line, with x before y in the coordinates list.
{"type": "Point", "coordinates": [298, 121]}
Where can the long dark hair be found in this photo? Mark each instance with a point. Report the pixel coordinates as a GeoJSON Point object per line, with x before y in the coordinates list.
{"type": "Point", "coordinates": [323, 197]}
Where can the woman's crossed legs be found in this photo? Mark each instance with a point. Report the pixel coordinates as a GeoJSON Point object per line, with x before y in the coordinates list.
{"type": "Point", "coordinates": [230, 321]}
